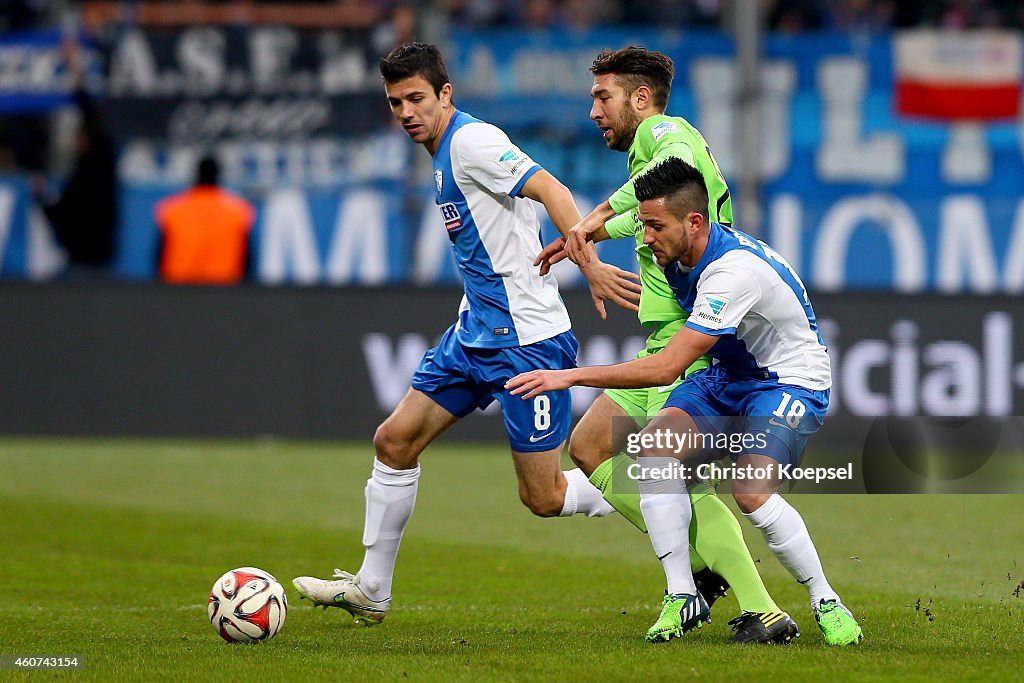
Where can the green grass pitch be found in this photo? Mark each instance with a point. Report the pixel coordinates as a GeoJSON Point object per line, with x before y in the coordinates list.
{"type": "Point", "coordinates": [110, 548]}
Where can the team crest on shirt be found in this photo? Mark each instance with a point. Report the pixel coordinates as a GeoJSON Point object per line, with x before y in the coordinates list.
{"type": "Point", "coordinates": [438, 180]}
{"type": "Point", "coordinates": [663, 128]}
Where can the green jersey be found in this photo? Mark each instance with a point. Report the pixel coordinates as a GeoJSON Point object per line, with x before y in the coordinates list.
{"type": "Point", "coordinates": [658, 138]}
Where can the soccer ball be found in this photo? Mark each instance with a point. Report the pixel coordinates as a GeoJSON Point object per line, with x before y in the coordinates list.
{"type": "Point", "coordinates": [247, 605]}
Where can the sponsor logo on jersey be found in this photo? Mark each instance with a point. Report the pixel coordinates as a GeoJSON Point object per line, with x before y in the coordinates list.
{"type": "Point", "coordinates": [438, 180]}
{"type": "Point", "coordinates": [663, 128]}
{"type": "Point", "coordinates": [716, 305]}
{"type": "Point", "coordinates": [451, 216]}
{"type": "Point", "coordinates": [710, 308]}
{"type": "Point", "coordinates": [501, 331]}
{"type": "Point", "coordinates": [512, 160]}
{"type": "Point", "coordinates": [704, 315]}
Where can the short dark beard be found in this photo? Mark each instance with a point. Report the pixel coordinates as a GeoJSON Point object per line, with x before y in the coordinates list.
{"type": "Point", "coordinates": [631, 121]}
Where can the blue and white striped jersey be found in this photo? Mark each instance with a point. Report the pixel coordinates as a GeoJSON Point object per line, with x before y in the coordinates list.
{"type": "Point", "coordinates": [747, 294]}
{"type": "Point", "coordinates": [495, 235]}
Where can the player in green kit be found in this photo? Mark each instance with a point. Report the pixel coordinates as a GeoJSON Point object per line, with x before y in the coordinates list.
{"type": "Point", "coordinates": [630, 95]}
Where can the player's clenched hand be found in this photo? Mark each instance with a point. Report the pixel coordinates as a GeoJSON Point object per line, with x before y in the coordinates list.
{"type": "Point", "coordinates": [536, 382]}
{"type": "Point", "coordinates": [550, 255]}
{"type": "Point", "coordinates": [611, 283]}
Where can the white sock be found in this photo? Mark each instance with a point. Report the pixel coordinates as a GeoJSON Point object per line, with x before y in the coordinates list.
{"type": "Point", "coordinates": [390, 499]}
{"type": "Point", "coordinates": [786, 534]}
{"type": "Point", "coordinates": [666, 509]}
{"type": "Point", "coordinates": [583, 497]}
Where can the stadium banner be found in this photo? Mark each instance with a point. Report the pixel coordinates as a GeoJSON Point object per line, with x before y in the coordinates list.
{"type": "Point", "coordinates": [291, 361]}
{"type": "Point", "coordinates": [202, 84]}
{"type": "Point", "coordinates": [34, 78]}
{"type": "Point", "coordinates": [856, 196]}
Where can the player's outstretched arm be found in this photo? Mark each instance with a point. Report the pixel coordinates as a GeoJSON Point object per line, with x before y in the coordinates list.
{"type": "Point", "coordinates": [606, 281]}
{"type": "Point", "coordinates": [659, 369]}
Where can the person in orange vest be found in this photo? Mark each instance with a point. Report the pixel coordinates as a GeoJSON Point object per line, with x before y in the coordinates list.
{"type": "Point", "coordinates": [204, 232]}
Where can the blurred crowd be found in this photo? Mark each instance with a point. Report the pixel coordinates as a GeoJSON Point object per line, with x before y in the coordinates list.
{"type": "Point", "coordinates": [786, 16]}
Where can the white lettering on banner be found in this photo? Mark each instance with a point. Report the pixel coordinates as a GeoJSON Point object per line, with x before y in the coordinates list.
{"type": "Point", "coordinates": [953, 387]}
{"type": "Point", "coordinates": [888, 213]}
{"type": "Point", "coordinates": [845, 155]}
{"type": "Point", "coordinates": [997, 350]}
{"type": "Point", "coordinates": [358, 250]}
{"type": "Point", "coordinates": [829, 331]}
{"type": "Point", "coordinates": [201, 54]}
{"type": "Point", "coordinates": [270, 55]}
{"type": "Point", "coordinates": [786, 218]}
{"type": "Point", "coordinates": [360, 241]}
{"type": "Point", "coordinates": [35, 68]}
{"type": "Point", "coordinates": [904, 368]}
{"type": "Point", "coordinates": [966, 158]}
{"type": "Point", "coordinates": [316, 161]}
{"type": "Point", "coordinates": [957, 380]}
{"type": "Point", "coordinates": [201, 65]}
{"type": "Point", "coordinates": [855, 370]}
{"type": "Point", "coordinates": [391, 366]}
{"type": "Point", "coordinates": [8, 199]}
{"type": "Point", "coordinates": [133, 70]}
{"type": "Point", "coordinates": [343, 70]}
{"type": "Point", "coordinates": [965, 260]}
{"type": "Point", "coordinates": [286, 116]}
{"type": "Point", "coordinates": [715, 85]}
{"type": "Point", "coordinates": [1013, 269]}
{"type": "Point", "coordinates": [288, 248]}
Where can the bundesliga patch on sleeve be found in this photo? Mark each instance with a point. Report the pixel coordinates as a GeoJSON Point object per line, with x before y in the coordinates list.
{"type": "Point", "coordinates": [709, 309]}
{"type": "Point", "coordinates": [512, 160]}
{"type": "Point", "coordinates": [663, 128]}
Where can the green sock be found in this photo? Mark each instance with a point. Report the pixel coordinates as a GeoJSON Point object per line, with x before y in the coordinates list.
{"type": "Point", "coordinates": [720, 543]}
{"type": "Point", "coordinates": [624, 496]}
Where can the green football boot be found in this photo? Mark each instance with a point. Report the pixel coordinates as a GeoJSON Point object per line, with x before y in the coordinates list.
{"type": "Point", "coordinates": [837, 623]}
{"type": "Point", "coordinates": [764, 627]}
{"type": "Point", "coordinates": [680, 612]}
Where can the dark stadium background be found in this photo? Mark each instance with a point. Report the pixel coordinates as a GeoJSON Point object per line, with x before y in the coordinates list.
{"type": "Point", "coordinates": [906, 223]}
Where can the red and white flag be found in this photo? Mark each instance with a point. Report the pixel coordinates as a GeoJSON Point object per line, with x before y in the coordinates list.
{"type": "Point", "coordinates": [958, 75]}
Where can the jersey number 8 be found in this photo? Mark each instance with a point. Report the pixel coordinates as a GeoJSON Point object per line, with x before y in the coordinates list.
{"type": "Point", "coordinates": [541, 413]}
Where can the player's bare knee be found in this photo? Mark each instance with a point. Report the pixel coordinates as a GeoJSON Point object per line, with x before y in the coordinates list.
{"type": "Point", "coordinates": [585, 453]}
{"type": "Point", "coordinates": [749, 501]}
{"type": "Point", "coordinates": [393, 448]}
{"type": "Point", "coordinates": [542, 505]}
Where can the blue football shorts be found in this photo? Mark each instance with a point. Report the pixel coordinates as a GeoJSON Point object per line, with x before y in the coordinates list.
{"type": "Point", "coordinates": [769, 418]}
{"type": "Point", "coordinates": [462, 379]}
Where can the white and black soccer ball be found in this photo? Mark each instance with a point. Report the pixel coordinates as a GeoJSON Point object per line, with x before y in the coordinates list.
{"type": "Point", "coordinates": [247, 605]}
